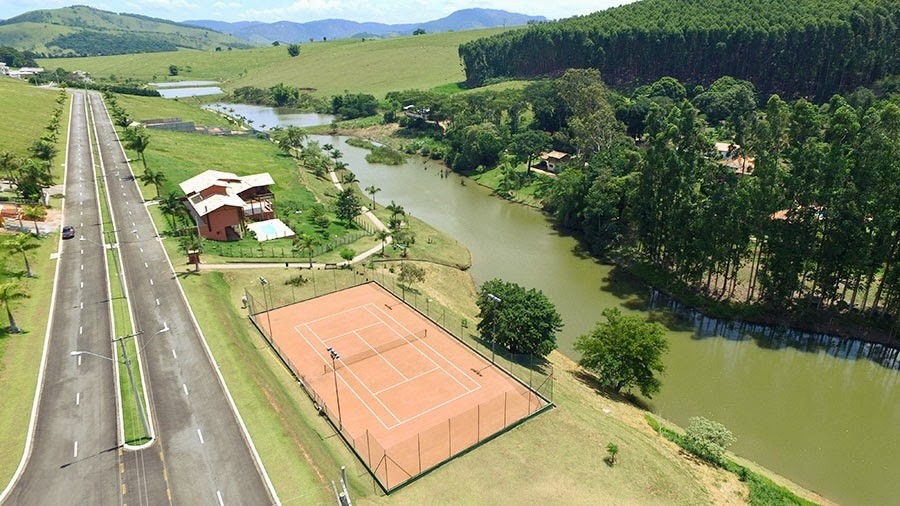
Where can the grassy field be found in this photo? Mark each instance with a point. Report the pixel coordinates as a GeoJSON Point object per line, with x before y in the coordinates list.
{"type": "Point", "coordinates": [20, 354]}
{"type": "Point", "coordinates": [31, 108]}
{"type": "Point", "coordinates": [375, 66]}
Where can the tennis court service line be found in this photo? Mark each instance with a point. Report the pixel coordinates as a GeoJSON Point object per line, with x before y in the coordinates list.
{"type": "Point", "coordinates": [436, 352]}
{"type": "Point", "coordinates": [344, 381]}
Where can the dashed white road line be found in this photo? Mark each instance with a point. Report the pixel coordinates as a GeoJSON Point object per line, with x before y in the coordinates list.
{"type": "Point", "coordinates": [76, 449]}
{"type": "Point", "coordinates": [184, 387]}
{"type": "Point", "coordinates": [200, 434]}
{"type": "Point", "coordinates": [219, 495]}
{"type": "Point", "coordinates": [151, 281]}
{"type": "Point", "coordinates": [173, 354]}
{"type": "Point", "coordinates": [78, 398]}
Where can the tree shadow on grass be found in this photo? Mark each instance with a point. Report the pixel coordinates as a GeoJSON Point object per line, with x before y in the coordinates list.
{"type": "Point", "coordinates": [591, 381]}
{"type": "Point", "coordinates": [188, 273]}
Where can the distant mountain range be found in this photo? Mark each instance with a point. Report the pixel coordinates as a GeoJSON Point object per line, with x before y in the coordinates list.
{"type": "Point", "coordinates": [287, 31]}
{"type": "Point", "coordinates": [86, 31]}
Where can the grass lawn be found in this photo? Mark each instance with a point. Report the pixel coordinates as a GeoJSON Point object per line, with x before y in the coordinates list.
{"type": "Point", "coordinates": [188, 109]}
{"type": "Point", "coordinates": [375, 66]}
{"type": "Point", "coordinates": [20, 354]}
{"type": "Point", "coordinates": [27, 111]}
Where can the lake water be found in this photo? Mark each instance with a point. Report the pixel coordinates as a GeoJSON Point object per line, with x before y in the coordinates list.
{"type": "Point", "coordinates": [196, 91]}
{"type": "Point", "coordinates": [823, 412]}
{"type": "Point", "coordinates": [265, 118]}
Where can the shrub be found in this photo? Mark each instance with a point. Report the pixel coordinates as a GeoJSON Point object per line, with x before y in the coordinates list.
{"type": "Point", "coordinates": [708, 439]}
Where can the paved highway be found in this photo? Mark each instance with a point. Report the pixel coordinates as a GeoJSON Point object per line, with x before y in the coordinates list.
{"type": "Point", "coordinates": [74, 455]}
{"type": "Point", "coordinates": [205, 455]}
{"type": "Point", "coordinates": [201, 454]}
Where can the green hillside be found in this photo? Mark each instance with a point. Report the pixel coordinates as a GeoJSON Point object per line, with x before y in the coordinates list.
{"type": "Point", "coordinates": [80, 30]}
{"type": "Point", "coordinates": [802, 47]}
{"type": "Point", "coordinates": [374, 66]}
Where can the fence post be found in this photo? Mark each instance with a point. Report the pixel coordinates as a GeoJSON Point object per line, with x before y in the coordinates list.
{"type": "Point", "coordinates": [449, 440]}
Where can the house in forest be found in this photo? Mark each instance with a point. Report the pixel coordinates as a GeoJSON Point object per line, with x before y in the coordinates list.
{"type": "Point", "coordinates": [220, 202]}
{"type": "Point", "coordinates": [550, 161]}
{"type": "Point", "coordinates": [730, 155]}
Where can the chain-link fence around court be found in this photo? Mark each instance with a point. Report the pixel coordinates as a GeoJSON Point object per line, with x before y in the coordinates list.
{"type": "Point", "coordinates": [400, 463]}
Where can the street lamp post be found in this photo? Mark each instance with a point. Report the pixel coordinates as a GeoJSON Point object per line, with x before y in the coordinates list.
{"type": "Point", "coordinates": [496, 302]}
{"type": "Point", "coordinates": [264, 282]}
{"type": "Point", "coordinates": [137, 397]}
{"type": "Point", "coordinates": [126, 360]}
{"type": "Point", "coordinates": [335, 356]}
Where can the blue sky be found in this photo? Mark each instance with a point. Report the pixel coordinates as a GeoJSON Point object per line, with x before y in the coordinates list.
{"type": "Point", "coordinates": [384, 11]}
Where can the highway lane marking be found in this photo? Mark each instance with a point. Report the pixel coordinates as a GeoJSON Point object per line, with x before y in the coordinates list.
{"type": "Point", "coordinates": [82, 252]}
{"type": "Point", "coordinates": [121, 468]}
{"type": "Point", "coordinates": [81, 305]}
{"type": "Point", "coordinates": [124, 489]}
{"type": "Point", "coordinates": [184, 387]}
{"type": "Point", "coordinates": [173, 354]}
{"type": "Point", "coordinates": [151, 281]}
{"type": "Point", "coordinates": [145, 265]}
{"type": "Point", "coordinates": [80, 330]}
{"type": "Point", "coordinates": [82, 284]}
{"type": "Point", "coordinates": [78, 398]}
{"type": "Point", "coordinates": [142, 249]}
{"type": "Point", "coordinates": [157, 302]}
{"type": "Point", "coordinates": [76, 449]}
{"type": "Point", "coordinates": [82, 266]}
{"type": "Point", "coordinates": [79, 359]}
{"type": "Point", "coordinates": [219, 495]}
{"type": "Point", "coordinates": [201, 437]}
{"type": "Point", "coordinates": [133, 224]}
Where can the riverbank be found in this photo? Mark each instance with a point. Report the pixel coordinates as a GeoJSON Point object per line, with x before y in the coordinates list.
{"type": "Point", "coordinates": [843, 324]}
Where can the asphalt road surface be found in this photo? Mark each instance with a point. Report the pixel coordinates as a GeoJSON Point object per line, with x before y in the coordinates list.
{"type": "Point", "coordinates": [75, 452]}
{"type": "Point", "coordinates": [201, 454]}
{"type": "Point", "coordinates": [205, 456]}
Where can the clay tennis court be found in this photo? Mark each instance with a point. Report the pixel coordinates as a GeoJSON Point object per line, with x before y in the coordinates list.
{"type": "Point", "coordinates": [404, 393]}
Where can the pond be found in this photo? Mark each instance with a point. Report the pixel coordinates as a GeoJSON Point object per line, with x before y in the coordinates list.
{"type": "Point", "coordinates": [269, 117]}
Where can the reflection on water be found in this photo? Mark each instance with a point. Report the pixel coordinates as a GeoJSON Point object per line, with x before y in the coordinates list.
{"type": "Point", "coordinates": [265, 118]}
{"type": "Point", "coordinates": [777, 338]}
{"type": "Point", "coordinates": [190, 92]}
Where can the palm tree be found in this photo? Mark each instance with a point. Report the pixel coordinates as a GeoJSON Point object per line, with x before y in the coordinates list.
{"type": "Point", "coordinates": [22, 243]}
{"type": "Point", "coordinates": [308, 243]}
{"type": "Point", "coordinates": [8, 164]}
{"type": "Point", "coordinates": [35, 213]}
{"type": "Point", "coordinates": [191, 243]}
{"type": "Point", "coordinates": [154, 177]}
{"type": "Point", "coordinates": [396, 210]}
{"type": "Point", "coordinates": [382, 235]}
{"type": "Point", "coordinates": [138, 139]}
{"type": "Point", "coordinates": [172, 208]}
{"type": "Point", "coordinates": [10, 291]}
{"type": "Point", "coordinates": [372, 190]}
{"type": "Point", "coordinates": [349, 178]}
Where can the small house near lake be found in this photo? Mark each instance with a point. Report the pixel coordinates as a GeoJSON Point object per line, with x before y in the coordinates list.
{"type": "Point", "coordinates": [220, 202]}
{"type": "Point", "coordinates": [550, 161]}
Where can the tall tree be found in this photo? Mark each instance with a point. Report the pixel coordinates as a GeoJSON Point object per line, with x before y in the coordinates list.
{"type": "Point", "coordinates": [348, 206]}
{"type": "Point", "coordinates": [518, 319]}
{"type": "Point", "coordinates": [138, 139]}
{"type": "Point", "coordinates": [11, 291]}
{"type": "Point", "coordinates": [624, 352]}
{"type": "Point", "coordinates": [21, 244]}
{"type": "Point", "coordinates": [307, 243]}
{"type": "Point", "coordinates": [34, 213]}
{"type": "Point", "coordinates": [372, 190]}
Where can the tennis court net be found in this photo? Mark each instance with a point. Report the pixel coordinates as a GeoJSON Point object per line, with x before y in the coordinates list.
{"type": "Point", "coordinates": [378, 350]}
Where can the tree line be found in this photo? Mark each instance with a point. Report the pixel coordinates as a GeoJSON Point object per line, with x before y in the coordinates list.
{"type": "Point", "coordinates": [810, 48]}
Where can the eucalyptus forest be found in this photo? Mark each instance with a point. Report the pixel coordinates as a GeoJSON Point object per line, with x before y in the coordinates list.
{"type": "Point", "coordinates": [810, 48]}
